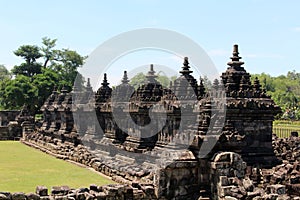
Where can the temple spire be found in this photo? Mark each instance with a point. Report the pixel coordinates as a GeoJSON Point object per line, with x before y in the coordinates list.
{"type": "Point", "coordinates": [88, 85]}
{"type": "Point", "coordinates": [150, 77]}
{"type": "Point", "coordinates": [235, 59]}
{"type": "Point", "coordinates": [125, 78]}
{"type": "Point", "coordinates": [185, 67]}
{"type": "Point", "coordinates": [256, 84]}
{"type": "Point", "coordinates": [105, 83]}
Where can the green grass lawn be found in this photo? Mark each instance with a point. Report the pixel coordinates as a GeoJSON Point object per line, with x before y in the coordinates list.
{"type": "Point", "coordinates": [23, 168]}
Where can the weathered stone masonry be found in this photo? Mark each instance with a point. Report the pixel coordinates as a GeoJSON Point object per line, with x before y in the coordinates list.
{"type": "Point", "coordinates": [243, 144]}
{"type": "Point", "coordinates": [11, 123]}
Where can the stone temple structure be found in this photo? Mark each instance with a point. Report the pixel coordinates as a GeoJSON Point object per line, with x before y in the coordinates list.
{"type": "Point", "coordinates": [170, 138]}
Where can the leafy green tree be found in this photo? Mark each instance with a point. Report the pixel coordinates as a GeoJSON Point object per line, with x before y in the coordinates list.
{"type": "Point", "coordinates": [17, 92]}
{"type": "Point", "coordinates": [137, 80]}
{"type": "Point", "coordinates": [43, 68]}
{"type": "Point", "coordinates": [44, 84]}
{"type": "Point", "coordinates": [67, 64]}
{"type": "Point", "coordinates": [206, 82]}
{"type": "Point", "coordinates": [293, 75]}
{"type": "Point", "coordinates": [49, 54]}
{"type": "Point", "coordinates": [31, 67]}
{"type": "Point", "coordinates": [27, 70]}
{"type": "Point", "coordinates": [4, 73]}
{"type": "Point", "coordinates": [164, 80]}
{"type": "Point", "coordinates": [29, 52]}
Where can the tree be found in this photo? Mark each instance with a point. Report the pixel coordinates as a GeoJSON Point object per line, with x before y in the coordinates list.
{"type": "Point", "coordinates": [44, 84]}
{"type": "Point", "coordinates": [293, 75]}
{"type": "Point", "coordinates": [4, 73]}
{"type": "Point", "coordinates": [206, 82]}
{"type": "Point", "coordinates": [43, 68]}
{"type": "Point", "coordinates": [30, 53]}
{"type": "Point", "coordinates": [164, 80]}
{"type": "Point", "coordinates": [67, 64]}
{"type": "Point", "coordinates": [27, 70]}
{"type": "Point", "coordinates": [137, 80]}
{"type": "Point", "coordinates": [48, 52]}
{"type": "Point", "coordinates": [17, 92]}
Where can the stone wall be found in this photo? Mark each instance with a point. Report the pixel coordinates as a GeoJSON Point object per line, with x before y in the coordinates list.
{"type": "Point", "coordinates": [178, 180]}
{"type": "Point", "coordinates": [107, 192]}
{"type": "Point", "coordinates": [7, 128]}
{"type": "Point", "coordinates": [7, 116]}
{"type": "Point", "coordinates": [4, 132]}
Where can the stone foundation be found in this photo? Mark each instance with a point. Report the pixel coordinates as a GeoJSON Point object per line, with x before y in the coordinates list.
{"type": "Point", "coordinates": [225, 176]}
{"type": "Point", "coordinates": [178, 180]}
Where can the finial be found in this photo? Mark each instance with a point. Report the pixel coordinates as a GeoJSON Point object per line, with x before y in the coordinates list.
{"type": "Point", "coordinates": [105, 83]}
{"type": "Point", "coordinates": [235, 50]}
{"type": "Point", "coordinates": [150, 76]}
{"type": "Point", "coordinates": [186, 61]}
{"type": "Point", "coordinates": [235, 53]}
{"type": "Point", "coordinates": [152, 72]}
{"type": "Point", "coordinates": [88, 83]}
{"type": "Point", "coordinates": [185, 67]}
{"type": "Point", "coordinates": [125, 78]}
{"type": "Point", "coordinates": [235, 59]}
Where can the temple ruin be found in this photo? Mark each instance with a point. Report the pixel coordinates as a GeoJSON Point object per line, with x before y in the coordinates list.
{"type": "Point", "coordinates": [185, 140]}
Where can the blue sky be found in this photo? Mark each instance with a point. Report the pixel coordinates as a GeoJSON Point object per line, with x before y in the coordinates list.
{"type": "Point", "coordinates": [268, 32]}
